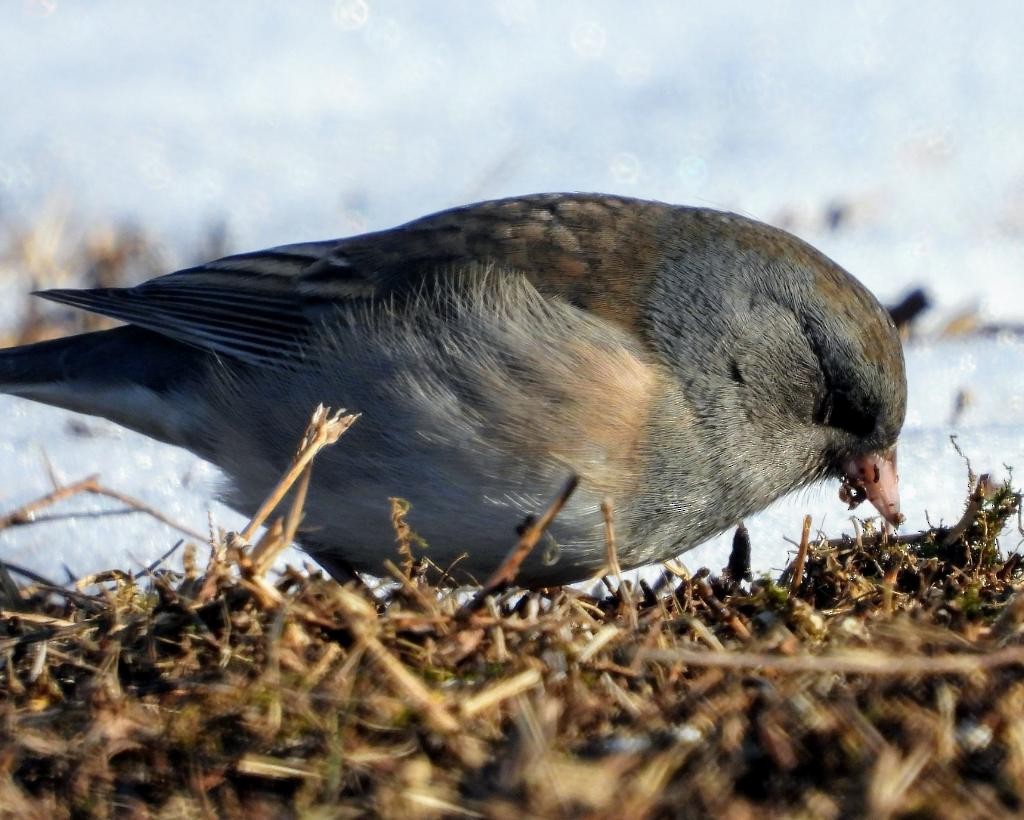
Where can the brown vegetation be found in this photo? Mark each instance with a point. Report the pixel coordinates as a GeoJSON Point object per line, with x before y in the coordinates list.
{"type": "Point", "coordinates": [877, 675]}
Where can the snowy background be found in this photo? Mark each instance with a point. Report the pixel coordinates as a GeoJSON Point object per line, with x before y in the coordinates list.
{"type": "Point", "coordinates": [309, 120]}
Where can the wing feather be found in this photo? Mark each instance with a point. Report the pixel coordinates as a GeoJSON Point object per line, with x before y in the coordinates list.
{"type": "Point", "coordinates": [246, 306]}
{"type": "Point", "coordinates": [587, 250]}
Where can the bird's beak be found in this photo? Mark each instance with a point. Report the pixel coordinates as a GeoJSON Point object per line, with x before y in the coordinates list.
{"type": "Point", "coordinates": [874, 477]}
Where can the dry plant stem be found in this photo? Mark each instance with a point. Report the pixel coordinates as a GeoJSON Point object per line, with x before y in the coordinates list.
{"type": "Point", "coordinates": [39, 581]}
{"type": "Point", "coordinates": [272, 533]}
{"type": "Point", "coordinates": [403, 533]}
{"type": "Point", "coordinates": [970, 513]}
{"type": "Point", "coordinates": [281, 534]}
{"type": "Point", "coordinates": [153, 566]}
{"type": "Point", "coordinates": [23, 515]}
{"type": "Point", "coordinates": [506, 573]}
{"type": "Point", "coordinates": [889, 586]}
{"type": "Point", "coordinates": [323, 430]}
{"type": "Point", "coordinates": [427, 604]}
{"type": "Point", "coordinates": [801, 557]}
{"type": "Point", "coordinates": [36, 618]}
{"type": "Point", "coordinates": [625, 592]}
{"type": "Point", "coordinates": [266, 766]}
{"type": "Point", "coordinates": [141, 506]}
{"type": "Point", "coordinates": [362, 620]}
{"type": "Point", "coordinates": [501, 691]}
{"type": "Point", "coordinates": [722, 612]}
{"type": "Point", "coordinates": [264, 592]}
{"type": "Point", "coordinates": [291, 524]}
{"type": "Point", "coordinates": [47, 632]}
{"type": "Point", "coordinates": [863, 662]}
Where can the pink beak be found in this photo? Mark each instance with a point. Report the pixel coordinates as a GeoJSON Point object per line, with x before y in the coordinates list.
{"type": "Point", "coordinates": [874, 477]}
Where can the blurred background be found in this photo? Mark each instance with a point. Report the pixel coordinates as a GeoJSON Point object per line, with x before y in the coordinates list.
{"type": "Point", "coordinates": [143, 137]}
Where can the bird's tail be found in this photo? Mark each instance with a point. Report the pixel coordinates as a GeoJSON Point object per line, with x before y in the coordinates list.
{"type": "Point", "coordinates": [131, 376]}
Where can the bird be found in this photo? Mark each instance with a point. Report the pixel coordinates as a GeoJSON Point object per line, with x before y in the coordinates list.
{"type": "Point", "coordinates": [687, 366]}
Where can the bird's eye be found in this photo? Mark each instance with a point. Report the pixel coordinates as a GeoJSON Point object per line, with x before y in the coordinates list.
{"type": "Point", "coordinates": [840, 412]}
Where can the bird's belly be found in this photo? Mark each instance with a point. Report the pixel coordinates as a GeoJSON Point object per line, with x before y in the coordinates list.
{"type": "Point", "coordinates": [463, 517]}
{"type": "Point", "coordinates": [477, 422]}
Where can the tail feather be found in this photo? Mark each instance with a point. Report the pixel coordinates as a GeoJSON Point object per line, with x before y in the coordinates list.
{"type": "Point", "coordinates": [132, 376]}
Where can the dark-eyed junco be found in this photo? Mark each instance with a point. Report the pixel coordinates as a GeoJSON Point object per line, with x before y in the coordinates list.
{"type": "Point", "coordinates": [689, 365]}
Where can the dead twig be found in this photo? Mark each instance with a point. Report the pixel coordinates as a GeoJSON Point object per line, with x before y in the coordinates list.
{"type": "Point", "coordinates": [362, 620]}
{"type": "Point", "coordinates": [323, 430]}
{"type": "Point", "coordinates": [625, 593]}
{"type": "Point", "coordinates": [976, 499]}
{"type": "Point", "coordinates": [720, 610]}
{"type": "Point", "coordinates": [801, 558]}
{"type": "Point", "coordinates": [143, 507]}
{"type": "Point", "coordinates": [851, 662]}
{"type": "Point", "coordinates": [506, 572]}
{"type": "Point", "coordinates": [24, 514]}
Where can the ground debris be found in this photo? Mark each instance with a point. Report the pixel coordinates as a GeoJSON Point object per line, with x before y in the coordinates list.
{"type": "Point", "coordinates": [883, 676]}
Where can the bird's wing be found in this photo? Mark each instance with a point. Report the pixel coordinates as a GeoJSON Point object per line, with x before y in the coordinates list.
{"type": "Point", "coordinates": [589, 250]}
{"type": "Point", "coordinates": [246, 306]}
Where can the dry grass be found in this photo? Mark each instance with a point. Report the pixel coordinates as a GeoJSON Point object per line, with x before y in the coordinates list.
{"type": "Point", "coordinates": [884, 678]}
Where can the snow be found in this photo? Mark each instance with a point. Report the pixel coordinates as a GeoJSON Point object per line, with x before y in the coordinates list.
{"type": "Point", "coordinates": [315, 119]}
